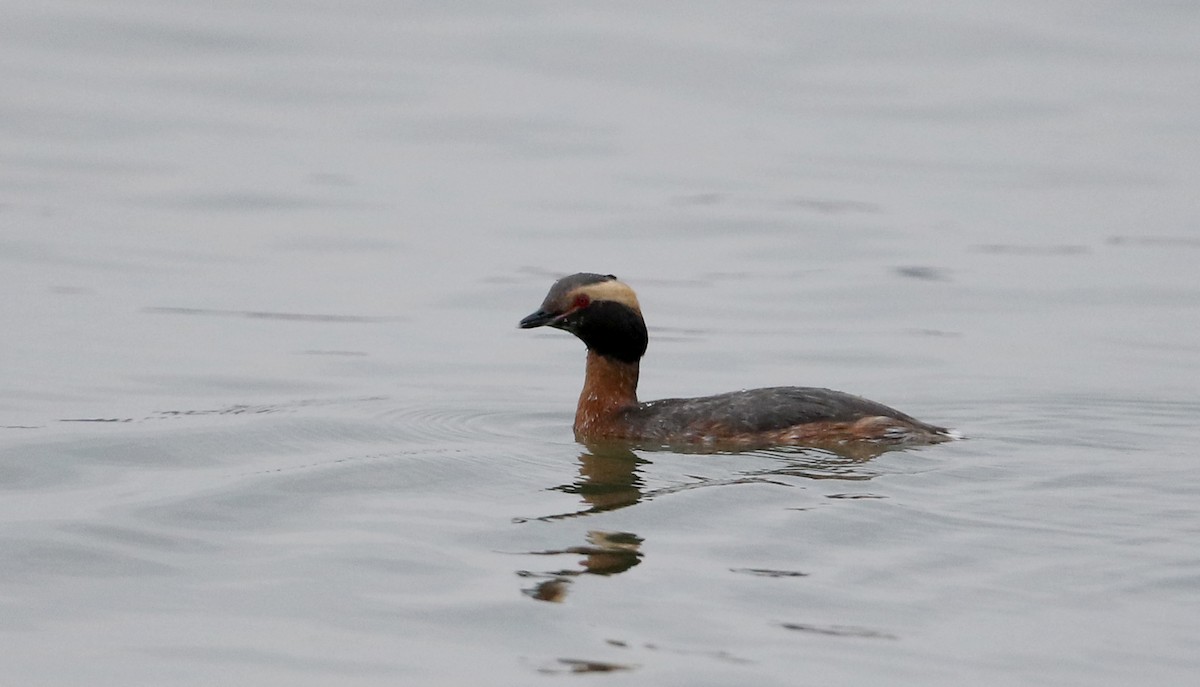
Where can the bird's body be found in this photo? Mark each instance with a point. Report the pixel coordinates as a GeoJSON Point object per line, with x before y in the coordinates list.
{"type": "Point", "coordinates": [605, 314]}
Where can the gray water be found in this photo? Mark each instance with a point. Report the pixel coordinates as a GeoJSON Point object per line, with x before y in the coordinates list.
{"type": "Point", "coordinates": [267, 418]}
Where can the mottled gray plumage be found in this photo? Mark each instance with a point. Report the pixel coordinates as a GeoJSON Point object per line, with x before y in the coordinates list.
{"type": "Point", "coordinates": [761, 410]}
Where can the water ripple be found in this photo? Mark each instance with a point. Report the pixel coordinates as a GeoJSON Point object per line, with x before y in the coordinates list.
{"type": "Point", "coordinates": [447, 423]}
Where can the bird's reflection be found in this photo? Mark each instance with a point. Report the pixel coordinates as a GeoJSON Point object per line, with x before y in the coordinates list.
{"type": "Point", "coordinates": [610, 478]}
{"type": "Point", "coordinates": [606, 553]}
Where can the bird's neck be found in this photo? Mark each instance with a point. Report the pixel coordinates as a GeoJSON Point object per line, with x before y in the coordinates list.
{"type": "Point", "coordinates": [609, 386]}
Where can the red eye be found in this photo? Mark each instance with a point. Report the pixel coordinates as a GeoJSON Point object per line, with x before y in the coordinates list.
{"type": "Point", "coordinates": [582, 301]}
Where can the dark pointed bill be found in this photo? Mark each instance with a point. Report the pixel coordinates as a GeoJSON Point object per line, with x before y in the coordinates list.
{"type": "Point", "coordinates": [540, 318]}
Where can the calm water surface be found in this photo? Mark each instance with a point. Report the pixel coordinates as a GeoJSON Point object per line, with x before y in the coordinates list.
{"type": "Point", "coordinates": [266, 418]}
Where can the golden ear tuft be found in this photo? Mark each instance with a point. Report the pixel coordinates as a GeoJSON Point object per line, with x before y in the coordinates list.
{"type": "Point", "coordinates": [614, 291]}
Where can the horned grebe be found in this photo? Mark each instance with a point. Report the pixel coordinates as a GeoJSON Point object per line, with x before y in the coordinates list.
{"type": "Point", "coordinates": [604, 313]}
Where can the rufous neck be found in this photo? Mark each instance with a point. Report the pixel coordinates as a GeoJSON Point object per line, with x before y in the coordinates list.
{"type": "Point", "coordinates": [608, 386]}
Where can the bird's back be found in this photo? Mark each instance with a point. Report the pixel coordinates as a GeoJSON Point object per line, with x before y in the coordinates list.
{"type": "Point", "coordinates": [776, 415]}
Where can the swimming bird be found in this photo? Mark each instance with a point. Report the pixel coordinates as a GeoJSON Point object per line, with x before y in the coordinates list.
{"type": "Point", "coordinates": [604, 313]}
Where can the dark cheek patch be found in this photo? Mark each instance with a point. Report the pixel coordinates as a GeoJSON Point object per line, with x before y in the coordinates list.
{"type": "Point", "coordinates": [613, 329]}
